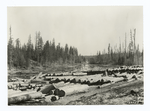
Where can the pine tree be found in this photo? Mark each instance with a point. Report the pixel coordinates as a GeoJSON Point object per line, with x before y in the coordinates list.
{"type": "Point", "coordinates": [17, 53]}
{"type": "Point", "coordinates": [29, 51]}
{"type": "Point", "coordinates": [66, 52]}
{"type": "Point", "coordinates": [53, 51]}
{"type": "Point", "coordinates": [10, 50]}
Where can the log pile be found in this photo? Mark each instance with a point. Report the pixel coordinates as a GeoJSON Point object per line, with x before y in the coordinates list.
{"type": "Point", "coordinates": [51, 88]}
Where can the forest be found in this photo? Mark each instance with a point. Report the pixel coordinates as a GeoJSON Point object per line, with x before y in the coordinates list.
{"type": "Point", "coordinates": [47, 53]}
{"type": "Point", "coordinates": [125, 54]}
{"type": "Point", "coordinates": [40, 54]}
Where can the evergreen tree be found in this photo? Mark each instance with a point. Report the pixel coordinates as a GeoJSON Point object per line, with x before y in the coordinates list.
{"type": "Point", "coordinates": [29, 51]}
{"type": "Point", "coordinates": [10, 50]}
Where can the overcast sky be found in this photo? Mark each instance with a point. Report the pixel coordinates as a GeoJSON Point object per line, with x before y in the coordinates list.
{"type": "Point", "coordinates": [88, 28]}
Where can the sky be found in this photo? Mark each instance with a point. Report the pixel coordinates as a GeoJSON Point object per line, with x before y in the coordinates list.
{"type": "Point", "coordinates": [88, 28]}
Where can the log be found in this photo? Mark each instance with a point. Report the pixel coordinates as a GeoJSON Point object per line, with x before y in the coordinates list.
{"type": "Point", "coordinates": [28, 81]}
{"type": "Point", "coordinates": [78, 80]}
{"type": "Point", "coordinates": [37, 89]}
{"type": "Point", "coordinates": [50, 93]}
{"type": "Point", "coordinates": [79, 74]}
{"type": "Point", "coordinates": [44, 75]}
{"type": "Point", "coordinates": [48, 98]}
{"type": "Point", "coordinates": [105, 85]}
{"type": "Point", "coordinates": [48, 78]}
{"type": "Point", "coordinates": [46, 89]}
{"type": "Point", "coordinates": [39, 81]}
{"type": "Point", "coordinates": [66, 80]}
{"type": "Point", "coordinates": [61, 93]}
{"type": "Point", "coordinates": [24, 97]}
{"type": "Point", "coordinates": [54, 98]}
{"type": "Point", "coordinates": [23, 88]}
{"type": "Point", "coordinates": [73, 80]}
{"type": "Point", "coordinates": [61, 84]}
{"type": "Point", "coordinates": [17, 83]}
{"type": "Point", "coordinates": [18, 93]}
{"type": "Point", "coordinates": [51, 98]}
{"type": "Point", "coordinates": [56, 92]}
{"type": "Point", "coordinates": [30, 87]}
{"type": "Point", "coordinates": [94, 82]}
{"type": "Point", "coordinates": [12, 92]}
{"type": "Point", "coordinates": [119, 80]}
{"type": "Point", "coordinates": [73, 89]}
{"type": "Point", "coordinates": [9, 86]}
{"type": "Point", "coordinates": [24, 85]}
{"type": "Point", "coordinates": [39, 75]}
{"type": "Point", "coordinates": [39, 85]}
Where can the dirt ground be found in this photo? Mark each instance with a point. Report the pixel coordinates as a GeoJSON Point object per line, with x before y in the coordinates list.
{"type": "Point", "coordinates": [116, 94]}
{"type": "Point", "coordinates": [121, 93]}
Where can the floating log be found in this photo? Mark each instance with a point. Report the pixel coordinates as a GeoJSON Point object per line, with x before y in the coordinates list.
{"type": "Point", "coordinates": [24, 97]}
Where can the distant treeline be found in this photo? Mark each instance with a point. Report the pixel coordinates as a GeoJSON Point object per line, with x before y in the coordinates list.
{"type": "Point", "coordinates": [41, 53]}
{"type": "Point", "coordinates": [123, 55]}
